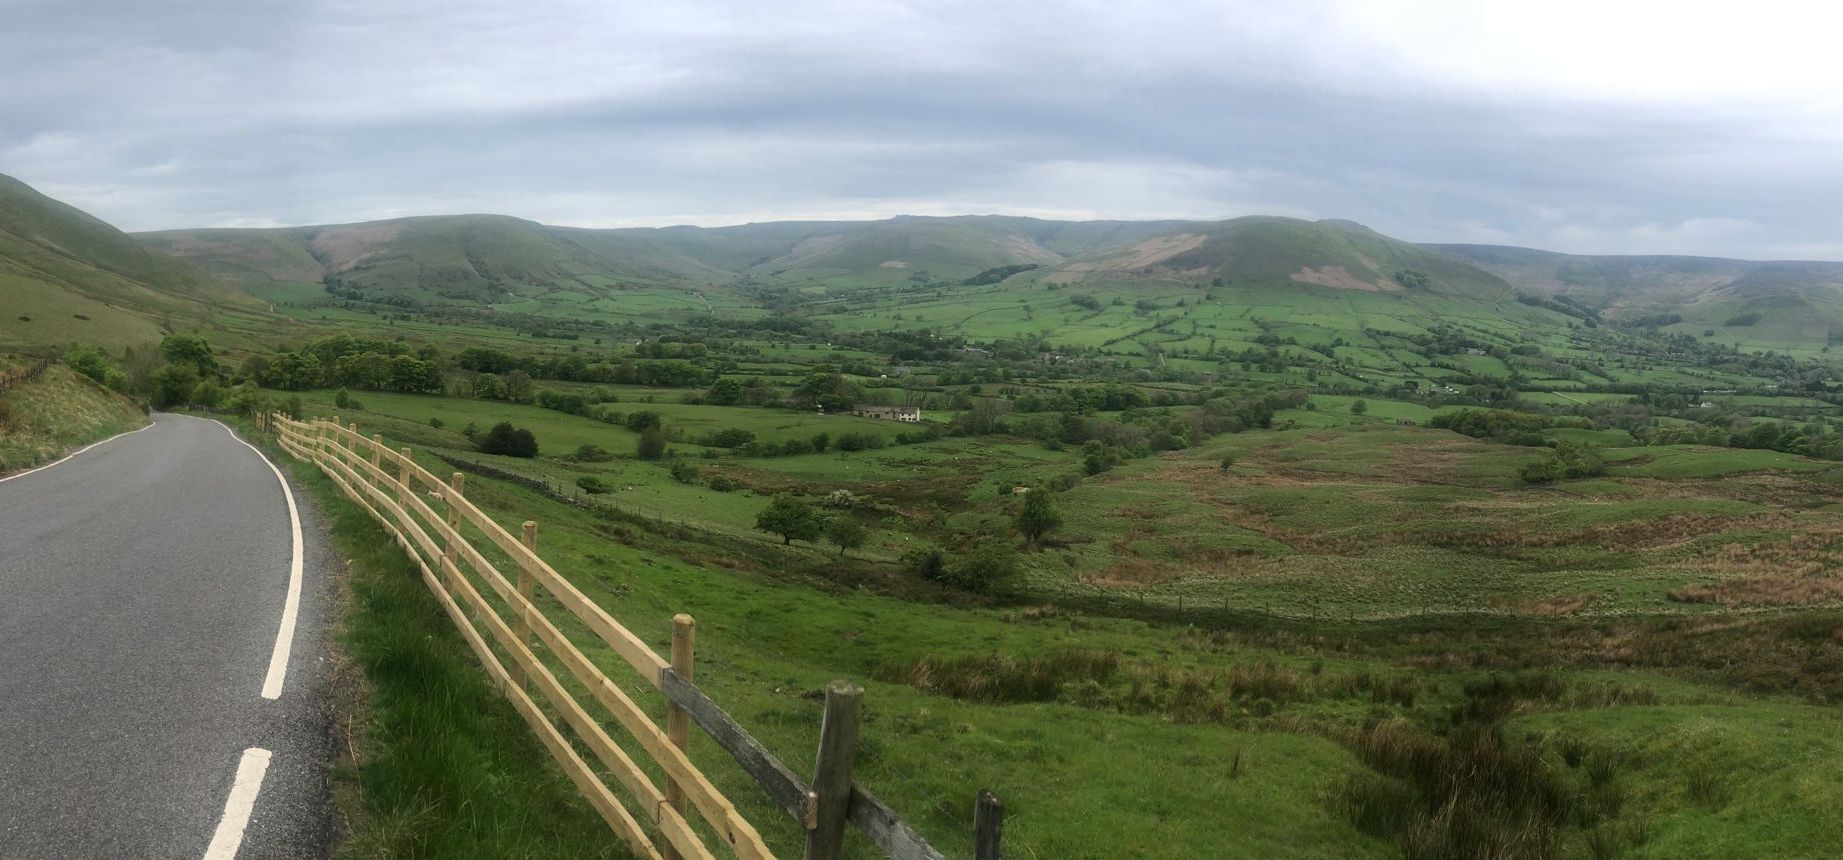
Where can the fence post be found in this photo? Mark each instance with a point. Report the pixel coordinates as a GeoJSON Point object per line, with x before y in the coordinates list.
{"type": "Point", "coordinates": [455, 483]}
{"type": "Point", "coordinates": [377, 451]}
{"type": "Point", "coordinates": [838, 750]}
{"type": "Point", "coordinates": [678, 720]}
{"type": "Point", "coordinates": [403, 477]}
{"type": "Point", "coordinates": [521, 621]}
{"type": "Point", "coordinates": [988, 825]}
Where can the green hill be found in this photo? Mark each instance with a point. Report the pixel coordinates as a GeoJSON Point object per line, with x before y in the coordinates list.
{"type": "Point", "coordinates": [68, 276]}
{"type": "Point", "coordinates": [1289, 252]}
{"type": "Point", "coordinates": [1778, 304]}
{"type": "Point", "coordinates": [478, 259]}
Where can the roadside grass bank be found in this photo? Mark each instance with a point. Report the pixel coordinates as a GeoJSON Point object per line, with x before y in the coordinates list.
{"type": "Point", "coordinates": [62, 409]}
{"type": "Point", "coordinates": [441, 766]}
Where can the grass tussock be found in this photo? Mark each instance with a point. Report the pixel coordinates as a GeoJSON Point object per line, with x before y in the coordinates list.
{"type": "Point", "coordinates": [1471, 791]}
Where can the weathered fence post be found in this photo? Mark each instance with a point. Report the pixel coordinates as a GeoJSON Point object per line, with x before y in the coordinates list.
{"type": "Point", "coordinates": [988, 825]}
{"type": "Point", "coordinates": [838, 750]}
{"type": "Point", "coordinates": [678, 720]}
{"type": "Point", "coordinates": [377, 451]}
{"type": "Point", "coordinates": [352, 449]}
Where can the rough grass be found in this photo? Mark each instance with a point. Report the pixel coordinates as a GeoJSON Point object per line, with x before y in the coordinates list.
{"type": "Point", "coordinates": [60, 410]}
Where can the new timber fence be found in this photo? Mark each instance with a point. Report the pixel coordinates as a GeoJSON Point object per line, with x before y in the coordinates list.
{"type": "Point", "coordinates": [523, 648]}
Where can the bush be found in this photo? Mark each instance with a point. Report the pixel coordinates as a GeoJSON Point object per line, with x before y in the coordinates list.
{"type": "Point", "coordinates": [684, 473]}
{"type": "Point", "coordinates": [927, 562]}
{"type": "Point", "coordinates": [436, 423]}
{"type": "Point", "coordinates": [652, 444]}
{"type": "Point", "coordinates": [509, 441]}
{"type": "Point", "coordinates": [592, 454]}
{"type": "Point", "coordinates": [859, 442]}
{"type": "Point", "coordinates": [592, 485]}
{"type": "Point", "coordinates": [722, 484]}
{"type": "Point", "coordinates": [987, 568]}
{"type": "Point", "coordinates": [642, 421]}
{"type": "Point", "coordinates": [1567, 460]}
{"type": "Point", "coordinates": [733, 437]}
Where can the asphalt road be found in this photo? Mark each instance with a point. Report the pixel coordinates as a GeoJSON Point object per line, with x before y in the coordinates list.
{"type": "Point", "coordinates": [143, 584]}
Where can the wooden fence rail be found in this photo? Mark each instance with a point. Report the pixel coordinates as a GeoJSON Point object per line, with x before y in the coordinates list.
{"type": "Point", "coordinates": [507, 622]}
{"type": "Point", "coordinates": [24, 375]}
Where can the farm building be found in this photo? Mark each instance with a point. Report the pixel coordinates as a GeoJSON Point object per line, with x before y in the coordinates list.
{"type": "Point", "coordinates": [897, 413]}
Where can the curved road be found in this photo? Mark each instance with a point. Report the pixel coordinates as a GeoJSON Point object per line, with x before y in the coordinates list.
{"type": "Point", "coordinates": [145, 588]}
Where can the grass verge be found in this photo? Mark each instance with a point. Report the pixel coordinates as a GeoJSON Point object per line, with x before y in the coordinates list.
{"type": "Point", "coordinates": [439, 764]}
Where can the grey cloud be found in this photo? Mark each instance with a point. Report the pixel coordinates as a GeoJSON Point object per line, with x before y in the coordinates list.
{"type": "Point", "coordinates": [156, 115]}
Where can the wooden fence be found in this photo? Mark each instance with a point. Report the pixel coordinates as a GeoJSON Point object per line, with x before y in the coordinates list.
{"type": "Point", "coordinates": [522, 648]}
{"type": "Point", "coordinates": [23, 376]}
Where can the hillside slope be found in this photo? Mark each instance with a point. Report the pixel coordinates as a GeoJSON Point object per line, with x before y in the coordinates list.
{"type": "Point", "coordinates": [67, 276]}
{"type": "Point", "coordinates": [1272, 251]}
{"type": "Point", "coordinates": [434, 259]}
{"type": "Point", "coordinates": [1773, 303]}
{"type": "Point", "coordinates": [62, 409]}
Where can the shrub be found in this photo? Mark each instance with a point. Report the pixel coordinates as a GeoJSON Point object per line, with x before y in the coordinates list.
{"type": "Point", "coordinates": [722, 484]}
{"type": "Point", "coordinates": [592, 454]}
{"type": "Point", "coordinates": [509, 441]}
{"type": "Point", "coordinates": [859, 442]}
{"type": "Point", "coordinates": [927, 562]}
{"type": "Point", "coordinates": [989, 567]}
{"type": "Point", "coordinates": [642, 421]}
{"type": "Point", "coordinates": [684, 473]}
{"type": "Point", "coordinates": [436, 423]}
{"type": "Point", "coordinates": [733, 437]}
{"type": "Point", "coordinates": [592, 485]}
{"type": "Point", "coordinates": [1567, 460]}
{"type": "Point", "coordinates": [652, 444]}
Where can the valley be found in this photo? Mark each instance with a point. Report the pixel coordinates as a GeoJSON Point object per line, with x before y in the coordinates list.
{"type": "Point", "coordinates": [1261, 537]}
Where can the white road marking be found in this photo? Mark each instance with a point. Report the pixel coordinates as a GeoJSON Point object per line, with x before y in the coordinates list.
{"type": "Point", "coordinates": [237, 808]}
{"type": "Point", "coordinates": [291, 607]}
{"type": "Point", "coordinates": [150, 426]}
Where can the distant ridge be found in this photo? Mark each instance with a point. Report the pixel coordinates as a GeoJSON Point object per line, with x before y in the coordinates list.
{"type": "Point", "coordinates": [68, 276]}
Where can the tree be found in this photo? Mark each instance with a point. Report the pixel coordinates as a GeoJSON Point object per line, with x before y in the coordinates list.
{"type": "Point", "coordinates": [846, 533]}
{"type": "Point", "coordinates": [510, 441]}
{"type": "Point", "coordinates": [1038, 516]}
{"type": "Point", "coordinates": [652, 444]}
{"type": "Point", "coordinates": [821, 441]}
{"type": "Point", "coordinates": [190, 349]}
{"type": "Point", "coordinates": [724, 392]}
{"type": "Point", "coordinates": [172, 385]}
{"type": "Point", "coordinates": [1360, 407]}
{"type": "Point", "coordinates": [787, 517]}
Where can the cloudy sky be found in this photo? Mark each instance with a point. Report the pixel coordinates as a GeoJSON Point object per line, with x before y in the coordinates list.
{"type": "Point", "coordinates": [1581, 126]}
